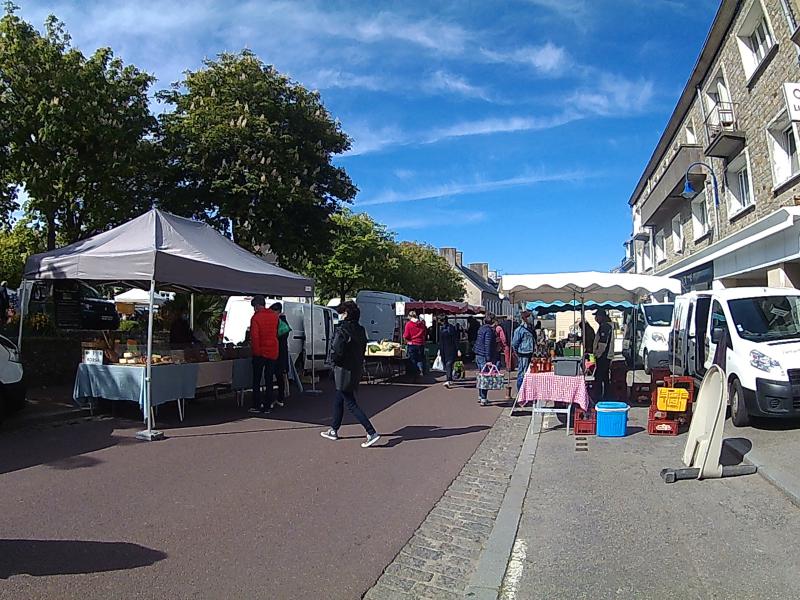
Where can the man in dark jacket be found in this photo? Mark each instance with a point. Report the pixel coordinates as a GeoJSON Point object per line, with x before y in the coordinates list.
{"type": "Point", "coordinates": [485, 352]}
{"type": "Point", "coordinates": [282, 366]}
{"type": "Point", "coordinates": [347, 352]}
{"type": "Point", "coordinates": [448, 348]}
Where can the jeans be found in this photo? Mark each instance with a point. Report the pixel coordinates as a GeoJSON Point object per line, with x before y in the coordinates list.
{"type": "Point", "coordinates": [349, 398]}
{"type": "Point", "coordinates": [448, 369]}
{"type": "Point", "coordinates": [416, 356]}
{"type": "Point", "coordinates": [481, 362]}
{"type": "Point", "coordinates": [602, 375]}
{"type": "Point", "coordinates": [262, 367]}
{"type": "Point", "coordinates": [523, 362]}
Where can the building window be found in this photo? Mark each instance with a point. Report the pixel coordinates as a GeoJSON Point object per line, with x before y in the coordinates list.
{"type": "Point", "coordinates": [782, 142]}
{"type": "Point", "coordinates": [691, 138]}
{"type": "Point", "coordinates": [755, 38]}
{"type": "Point", "coordinates": [677, 234]}
{"type": "Point", "coordinates": [739, 184]}
{"type": "Point", "coordinates": [647, 259]}
{"type": "Point", "coordinates": [661, 250]}
{"type": "Point", "coordinates": [699, 216]}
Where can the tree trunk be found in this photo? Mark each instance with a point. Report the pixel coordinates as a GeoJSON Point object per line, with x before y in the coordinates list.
{"type": "Point", "coordinates": [51, 232]}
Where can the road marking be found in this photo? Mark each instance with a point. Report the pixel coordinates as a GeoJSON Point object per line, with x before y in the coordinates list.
{"type": "Point", "coordinates": [516, 565]}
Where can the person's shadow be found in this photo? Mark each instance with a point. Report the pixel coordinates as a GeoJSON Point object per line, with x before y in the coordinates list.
{"type": "Point", "coordinates": [426, 432]}
{"type": "Point", "coordinates": [71, 557]}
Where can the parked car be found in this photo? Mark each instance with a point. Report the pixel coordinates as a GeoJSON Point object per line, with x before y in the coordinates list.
{"type": "Point", "coordinates": [761, 329]}
{"type": "Point", "coordinates": [236, 322]}
{"type": "Point", "coordinates": [73, 305]}
{"type": "Point", "coordinates": [652, 335]}
{"type": "Point", "coordinates": [379, 316]}
{"type": "Point", "coordinates": [12, 388]}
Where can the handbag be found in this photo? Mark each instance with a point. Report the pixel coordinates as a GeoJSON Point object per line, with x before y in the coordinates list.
{"type": "Point", "coordinates": [283, 328]}
{"type": "Point", "coordinates": [490, 378]}
{"type": "Point", "coordinates": [438, 364]}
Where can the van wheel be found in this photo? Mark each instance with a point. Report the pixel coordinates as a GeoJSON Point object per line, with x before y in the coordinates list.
{"type": "Point", "coordinates": [739, 415]}
{"type": "Point", "coordinates": [646, 362]}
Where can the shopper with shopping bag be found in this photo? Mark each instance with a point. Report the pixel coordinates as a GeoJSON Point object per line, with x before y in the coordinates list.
{"type": "Point", "coordinates": [485, 354]}
{"type": "Point", "coordinates": [448, 348]}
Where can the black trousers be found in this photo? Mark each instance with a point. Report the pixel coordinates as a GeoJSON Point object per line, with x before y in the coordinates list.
{"type": "Point", "coordinates": [262, 367]}
{"type": "Point", "coordinates": [281, 368]}
{"type": "Point", "coordinates": [602, 376]}
{"type": "Point", "coordinates": [448, 369]}
{"type": "Point", "coordinates": [349, 399]}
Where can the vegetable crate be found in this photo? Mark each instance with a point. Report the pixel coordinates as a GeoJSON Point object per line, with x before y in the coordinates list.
{"type": "Point", "coordinates": [661, 422]}
{"type": "Point", "coordinates": [657, 376]}
{"type": "Point", "coordinates": [585, 422]}
{"type": "Point", "coordinates": [685, 383]}
{"type": "Point", "coordinates": [641, 393]}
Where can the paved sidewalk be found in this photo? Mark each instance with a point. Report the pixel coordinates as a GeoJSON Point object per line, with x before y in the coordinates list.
{"type": "Point", "coordinates": [439, 559]}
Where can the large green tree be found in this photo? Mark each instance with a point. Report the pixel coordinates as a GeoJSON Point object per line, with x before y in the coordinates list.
{"type": "Point", "coordinates": [76, 136]}
{"type": "Point", "coordinates": [362, 256]}
{"type": "Point", "coordinates": [16, 245]}
{"type": "Point", "coordinates": [250, 152]}
{"type": "Point", "coordinates": [419, 272]}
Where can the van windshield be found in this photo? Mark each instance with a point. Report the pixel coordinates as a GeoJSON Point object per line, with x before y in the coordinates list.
{"type": "Point", "coordinates": [766, 318]}
{"type": "Point", "coordinates": [658, 315]}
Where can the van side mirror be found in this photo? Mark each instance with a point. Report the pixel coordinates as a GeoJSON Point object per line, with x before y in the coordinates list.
{"type": "Point", "coordinates": [716, 334]}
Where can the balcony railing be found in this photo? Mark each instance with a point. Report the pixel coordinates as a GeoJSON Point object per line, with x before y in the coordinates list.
{"type": "Point", "coordinates": [725, 139]}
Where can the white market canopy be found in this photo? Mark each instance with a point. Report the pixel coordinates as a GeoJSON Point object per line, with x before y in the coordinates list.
{"type": "Point", "coordinates": [590, 285]}
{"type": "Point", "coordinates": [174, 252]}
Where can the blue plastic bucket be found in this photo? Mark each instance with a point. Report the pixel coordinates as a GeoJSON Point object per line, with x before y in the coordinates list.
{"type": "Point", "coordinates": [612, 419]}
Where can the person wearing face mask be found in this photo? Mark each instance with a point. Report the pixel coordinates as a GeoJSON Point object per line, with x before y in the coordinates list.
{"type": "Point", "coordinates": [415, 334]}
{"type": "Point", "coordinates": [349, 345]}
{"type": "Point", "coordinates": [524, 344]}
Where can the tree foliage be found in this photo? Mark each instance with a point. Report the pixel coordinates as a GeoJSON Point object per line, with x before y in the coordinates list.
{"type": "Point", "coordinates": [251, 150]}
{"type": "Point", "coordinates": [424, 275]}
{"type": "Point", "coordinates": [16, 245]}
{"type": "Point", "coordinates": [76, 130]}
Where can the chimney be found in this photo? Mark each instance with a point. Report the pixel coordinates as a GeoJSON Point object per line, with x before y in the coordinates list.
{"type": "Point", "coordinates": [493, 275]}
{"type": "Point", "coordinates": [450, 255]}
{"type": "Point", "coordinates": [482, 269]}
{"type": "Point", "coordinates": [460, 259]}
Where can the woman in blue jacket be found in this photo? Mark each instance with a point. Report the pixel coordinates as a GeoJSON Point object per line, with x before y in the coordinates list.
{"type": "Point", "coordinates": [524, 345]}
{"type": "Point", "coordinates": [485, 353]}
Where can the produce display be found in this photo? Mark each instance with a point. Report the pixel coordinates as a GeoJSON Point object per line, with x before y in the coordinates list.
{"type": "Point", "coordinates": [384, 348]}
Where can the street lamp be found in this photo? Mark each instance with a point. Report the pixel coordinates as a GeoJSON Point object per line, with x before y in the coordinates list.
{"type": "Point", "coordinates": [689, 192]}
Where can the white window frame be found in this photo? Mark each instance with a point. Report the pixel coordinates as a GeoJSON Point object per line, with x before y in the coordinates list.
{"type": "Point", "coordinates": [677, 234]}
{"type": "Point", "coordinates": [661, 247]}
{"type": "Point", "coordinates": [755, 38]}
{"type": "Point", "coordinates": [691, 133]}
{"type": "Point", "coordinates": [739, 197]}
{"type": "Point", "coordinates": [699, 206]}
{"type": "Point", "coordinates": [782, 138]}
{"type": "Point", "coordinates": [647, 259]}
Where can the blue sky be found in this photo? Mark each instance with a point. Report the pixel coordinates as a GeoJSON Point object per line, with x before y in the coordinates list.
{"type": "Point", "coordinates": [514, 130]}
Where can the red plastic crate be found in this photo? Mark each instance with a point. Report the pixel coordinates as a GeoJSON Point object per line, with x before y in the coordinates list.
{"type": "Point", "coordinates": [662, 427]}
{"type": "Point", "coordinates": [658, 375]}
{"type": "Point", "coordinates": [686, 383]}
{"type": "Point", "coordinates": [641, 393]}
{"type": "Point", "coordinates": [585, 423]}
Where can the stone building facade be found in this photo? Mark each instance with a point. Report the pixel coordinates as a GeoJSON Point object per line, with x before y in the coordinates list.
{"type": "Point", "coordinates": [738, 116]}
{"type": "Point", "coordinates": [479, 282]}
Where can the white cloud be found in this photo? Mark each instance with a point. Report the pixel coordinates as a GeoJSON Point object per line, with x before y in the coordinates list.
{"type": "Point", "coordinates": [403, 173]}
{"type": "Point", "coordinates": [547, 59]}
{"type": "Point", "coordinates": [500, 125]}
{"type": "Point", "coordinates": [368, 139]}
{"type": "Point", "coordinates": [326, 79]}
{"type": "Point", "coordinates": [439, 219]}
{"type": "Point", "coordinates": [442, 81]}
{"type": "Point", "coordinates": [472, 187]}
{"type": "Point", "coordinates": [613, 95]}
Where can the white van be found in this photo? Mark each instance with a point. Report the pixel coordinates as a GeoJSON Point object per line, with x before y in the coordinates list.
{"type": "Point", "coordinates": [762, 328]}
{"type": "Point", "coordinates": [236, 322]}
{"type": "Point", "coordinates": [12, 388]}
{"type": "Point", "coordinates": [378, 315]}
{"type": "Point", "coordinates": [652, 335]}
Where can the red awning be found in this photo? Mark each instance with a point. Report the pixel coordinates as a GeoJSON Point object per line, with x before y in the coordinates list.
{"type": "Point", "coordinates": [442, 307]}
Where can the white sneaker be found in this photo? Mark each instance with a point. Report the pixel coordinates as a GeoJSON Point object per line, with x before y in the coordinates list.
{"type": "Point", "coordinates": [330, 434]}
{"type": "Point", "coordinates": [447, 384]}
{"type": "Point", "coordinates": [371, 439]}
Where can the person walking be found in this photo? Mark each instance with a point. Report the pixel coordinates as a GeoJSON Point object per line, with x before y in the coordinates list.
{"type": "Point", "coordinates": [502, 343]}
{"type": "Point", "coordinates": [485, 353]}
{"type": "Point", "coordinates": [448, 348]}
{"type": "Point", "coordinates": [415, 334]}
{"type": "Point", "coordinates": [472, 332]}
{"type": "Point", "coordinates": [264, 343]}
{"type": "Point", "coordinates": [349, 345]}
{"type": "Point", "coordinates": [524, 345]}
{"type": "Point", "coordinates": [282, 364]}
{"type": "Point", "coordinates": [603, 352]}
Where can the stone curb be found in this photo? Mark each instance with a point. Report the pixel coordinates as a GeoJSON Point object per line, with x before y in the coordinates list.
{"type": "Point", "coordinates": [487, 579]}
{"type": "Point", "coordinates": [771, 474]}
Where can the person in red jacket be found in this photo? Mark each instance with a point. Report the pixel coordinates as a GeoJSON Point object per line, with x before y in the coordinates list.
{"type": "Point", "coordinates": [264, 343]}
{"type": "Point", "coordinates": [415, 335]}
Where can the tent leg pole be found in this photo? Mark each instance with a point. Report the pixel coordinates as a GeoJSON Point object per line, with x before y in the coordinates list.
{"type": "Point", "coordinates": [191, 311]}
{"type": "Point", "coordinates": [149, 434]}
{"type": "Point", "coordinates": [313, 391]}
{"type": "Point", "coordinates": [22, 298]}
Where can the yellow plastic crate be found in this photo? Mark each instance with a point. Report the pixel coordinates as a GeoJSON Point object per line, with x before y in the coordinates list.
{"type": "Point", "coordinates": [672, 399]}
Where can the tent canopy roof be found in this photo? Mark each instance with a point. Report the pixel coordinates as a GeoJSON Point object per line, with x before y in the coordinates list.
{"type": "Point", "coordinates": [559, 306]}
{"type": "Point", "coordinates": [442, 307]}
{"type": "Point", "coordinates": [175, 252]}
{"type": "Point", "coordinates": [589, 285]}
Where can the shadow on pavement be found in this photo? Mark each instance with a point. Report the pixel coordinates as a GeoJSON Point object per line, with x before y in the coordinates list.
{"type": "Point", "coordinates": [427, 432]}
{"type": "Point", "coordinates": [69, 557]}
{"type": "Point", "coordinates": [58, 447]}
{"type": "Point", "coordinates": [730, 457]}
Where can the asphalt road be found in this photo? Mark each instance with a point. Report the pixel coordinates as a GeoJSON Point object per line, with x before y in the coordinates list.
{"type": "Point", "coordinates": [602, 524]}
{"type": "Point", "coordinates": [228, 506]}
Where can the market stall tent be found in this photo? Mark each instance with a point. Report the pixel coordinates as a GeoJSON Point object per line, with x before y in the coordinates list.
{"type": "Point", "coordinates": [589, 285]}
{"type": "Point", "coordinates": [442, 307]}
{"type": "Point", "coordinates": [139, 296]}
{"type": "Point", "coordinates": [159, 250]}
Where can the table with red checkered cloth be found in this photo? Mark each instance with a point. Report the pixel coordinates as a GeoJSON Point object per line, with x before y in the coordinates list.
{"type": "Point", "coordinates": [554, 388]}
